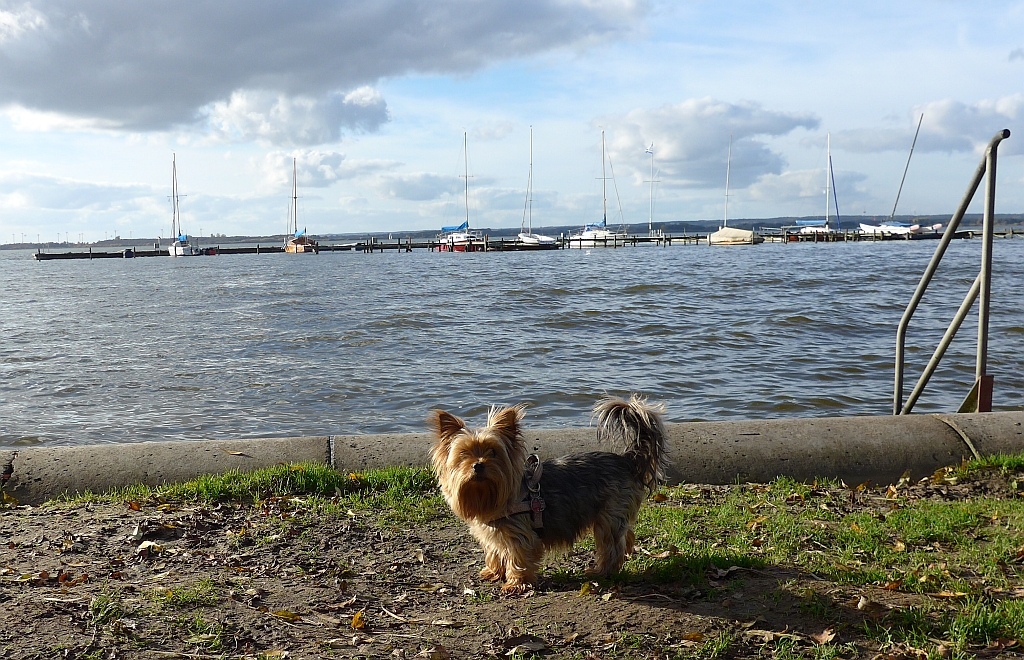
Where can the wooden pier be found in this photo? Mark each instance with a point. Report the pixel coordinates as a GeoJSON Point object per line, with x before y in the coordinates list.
{"type": "Point", "coordinates": [512, 244]}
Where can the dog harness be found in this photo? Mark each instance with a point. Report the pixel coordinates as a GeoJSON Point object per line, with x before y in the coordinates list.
{"type": "Point", "coordinates": [530, 500]}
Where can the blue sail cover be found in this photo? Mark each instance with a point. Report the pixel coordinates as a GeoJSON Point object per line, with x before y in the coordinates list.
{"type": "Point", "coordinates": [182, 237]}
{"type": "Point", "coordinates": [462, 227]}
{"type": "Point", "coordinates": [596, 225]}
{"type": "Point", "coordinates": [302, 232]}
{"type": "Point", "coordinates": [810, 223]}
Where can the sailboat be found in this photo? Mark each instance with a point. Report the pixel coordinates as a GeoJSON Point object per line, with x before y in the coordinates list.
{"type": "Point", "coordinates": [299, 243]}
{"type": "Point", "coordinates": [727, 235]}
{"type": "Point", "coordinates": [597, 234]}
{"type": "Point", "coordinates": [460, 238]}
{"type": "Point", "coordinates": [900, 228]}
{"type": "Point", "coordinates": [179, 246]}
{"type": "Point", "coordinates": [650, 218]}
{"type": "Point", "coordinates": [824, 226]}
{"type": "Point", "coordinates": [526, 235]}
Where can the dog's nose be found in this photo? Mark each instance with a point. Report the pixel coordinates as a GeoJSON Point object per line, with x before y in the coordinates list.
{"type": "Point", "coordinates": [478, 467]}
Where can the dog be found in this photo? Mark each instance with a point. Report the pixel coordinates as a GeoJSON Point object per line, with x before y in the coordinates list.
{"type": "Point", "coordinates": [518, 508]}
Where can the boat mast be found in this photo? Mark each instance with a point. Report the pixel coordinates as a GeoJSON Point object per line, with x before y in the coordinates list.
{"type": "Point", "coordinates": [529, 183]}
{"type": "Point", "coordinates": [907, 167]}
{"type": "Point", "coordinates": [465, 151]}
{"type": "Point", "coordinates": [828, 172]}
{"type": "Point", "coordinates": [650, 218]}
{"type": "Point", "coordinates": [604, 184]}
{"type": "Point", "coordinates": [728, 170]}
{"type": "Point", "coordinates": [175, 222]}
{"type": "Point", "coordinates": [295, 200]}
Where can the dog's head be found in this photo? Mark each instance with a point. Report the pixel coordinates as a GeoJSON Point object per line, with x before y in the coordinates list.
{"type": "Point", "coordinates": [479, 470]}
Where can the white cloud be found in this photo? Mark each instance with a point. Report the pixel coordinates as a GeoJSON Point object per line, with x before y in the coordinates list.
{"type": "Point", "coordinates": [14, 24]}
{"type": "Point", "coordinates": [493, 132]}
{"type": "Point", "coordinates": [26, 190]}
{"type": "Point", "coordinates": [691, 141]}
{"type": "Point", "coordinates": [273, 118]}
{"type": "Point", "coordinates": [948, 126]}
{"type": "Point", "coordinates": [416, 186]}
{"type": "Point", "coordinates": [315, 169]}
{"type": "Point", "coordinates": [797, 185]}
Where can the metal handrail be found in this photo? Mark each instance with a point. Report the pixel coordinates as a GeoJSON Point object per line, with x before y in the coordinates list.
{"type": "Point", "coordinates": [982, 284]}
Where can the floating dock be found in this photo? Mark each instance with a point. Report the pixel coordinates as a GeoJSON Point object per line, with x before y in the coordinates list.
{"type": "Point", "coordinates": [510, 244]}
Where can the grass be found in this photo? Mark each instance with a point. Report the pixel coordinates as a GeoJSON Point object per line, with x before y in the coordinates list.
{"type": "Point", "coordinates": [401, 495]}
{"type": "Point", "coordinates": [962, 552]}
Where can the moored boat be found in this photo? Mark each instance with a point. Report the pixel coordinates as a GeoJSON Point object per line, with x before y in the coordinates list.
{"type": "Point", "coordinates": [299, 243]}
{"type": "Point", "coordinates": [179, 246]}
{"type": "Point", "coordinates": [727, 235]}
{"type": "Point", "coordinates": [460, 238]}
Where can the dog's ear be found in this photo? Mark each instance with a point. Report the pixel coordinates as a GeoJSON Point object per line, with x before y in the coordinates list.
{"type": "Point", "coordinates": [445, 425]}
{"type": "Point", "coordinates": [505, 423]}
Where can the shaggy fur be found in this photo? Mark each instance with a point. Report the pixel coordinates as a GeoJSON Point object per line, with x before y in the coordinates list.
{"type": "Point", "coordinates": [481, 473]}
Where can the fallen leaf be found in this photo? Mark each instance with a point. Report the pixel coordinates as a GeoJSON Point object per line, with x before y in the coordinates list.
{"type": "Point", "coordinates": [134, 506]}
{"type": "Point", "coordinates": [824, 637]}
{"type": "Point", "coordinates": [287, 615]}
{"type": "Point", "coordinates": [444, 623]}
{"type": "Point", "coordinates": [428, 587]}
{"type": "Point", "coordinates": [585, 589]}
{"type": "Point", "coordinates": [894, 585]}
{"type": "Point", "coordinates": [899, 546]}
{"type": "Point", "coordinates": [948, 594]}
{"type": "Point", "coordinates": [660, 497]}
{"type": "Point", "coordinates": [418, 554]}
{"type": "Point", "coordinates": [358, 620]}
{"type": "Point", "coordinates": [694, 636]}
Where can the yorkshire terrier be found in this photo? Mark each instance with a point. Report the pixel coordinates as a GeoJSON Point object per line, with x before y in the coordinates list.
{"type": "Point", "coordinates": [518, 508]}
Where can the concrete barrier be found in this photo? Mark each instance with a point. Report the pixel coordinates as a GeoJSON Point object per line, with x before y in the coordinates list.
{"type": "Point", "coordinates": [856, 449]}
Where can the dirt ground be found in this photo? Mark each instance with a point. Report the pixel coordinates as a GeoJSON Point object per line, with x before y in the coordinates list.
{"type": "Point", "coordinates": [228, 580]}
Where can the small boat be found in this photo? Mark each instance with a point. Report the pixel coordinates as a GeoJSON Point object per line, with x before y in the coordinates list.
{"type": "Point", "coordinates": [898, 229]}
{"type": "Point", "coordinates": [179, 246]}
{"type": "Point", "coordinates": [460, 238]}
{"type": "Point", "coordinates": [893, 228]}
{"type": "Point", "coordinates": [526, 235]}
{"type": "Point", "coordinates": [727, 235]}
{"type": "Point", "coordinates": [824, 226]}
{"type": "Point", "coordinates": [299, 243]}
{"type": "Point", "coordinates": [597, 234]}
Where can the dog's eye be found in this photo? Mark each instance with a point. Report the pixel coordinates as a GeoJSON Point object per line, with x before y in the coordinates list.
{"type": "Point", "coordinates": [491, 453]}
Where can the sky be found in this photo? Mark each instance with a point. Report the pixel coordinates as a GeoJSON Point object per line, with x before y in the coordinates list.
{"type": "Point", "coordinates": [375, 100]}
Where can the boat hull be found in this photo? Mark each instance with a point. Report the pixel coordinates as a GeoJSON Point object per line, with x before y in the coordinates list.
{"type": "Point", "coordinates": [180, 249]}
{"type": "Point", "coordinates": [733, 236]}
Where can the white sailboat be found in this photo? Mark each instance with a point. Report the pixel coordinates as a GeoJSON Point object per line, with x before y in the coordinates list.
{"type": "Point", "coordinates": [727, 235]}
{"type": "Point", "coordinates": [899, 228]}
{"type": "Point", "coordinates": [299, 243]}
{"type": "Point", "coordinates": [650, 218]}
{"type": "Point", "coordinates": [824, 226]}
{"type": "Point", "coordinates": [597, 234]}
{"type": "Point", "coordinates": [179, 246]}
{"type": "Point", "coordinates": [461, 238]}
{"type": "Point", "coordinates": [526, 235]}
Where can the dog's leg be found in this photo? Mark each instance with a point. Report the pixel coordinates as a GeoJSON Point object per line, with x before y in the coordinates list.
{"type": "Point", "coordinates": [494, 570]}
{"type": "Point", "coordinates": [521, 567]}
{"type": "Point", "coordinates": [612, 538]}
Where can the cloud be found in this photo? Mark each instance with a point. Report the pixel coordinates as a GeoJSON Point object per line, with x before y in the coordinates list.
{"type": "Point", "coordinates": [24, 190]}
{"type": "Point", "coordinates": [949, 126]}
{"type": "Point", "coordinates": [315, 169]}
{"type": "Point", "coordinates": [805, 184]}
{"type": "Point", "coordinates": [273, 118]}
{"type": "Point", "coordinates": [691, 141]}
{"type": "Point", "coordinates": [1017, 54]}
{"type": "Point", "coordinates": [156, 66]}
{"type": "Point", "coordinates": [417, 186]}
{"type": "Point", "coordinates": [493, 132]}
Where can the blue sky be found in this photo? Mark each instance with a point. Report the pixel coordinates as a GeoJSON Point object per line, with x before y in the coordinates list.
{"type": "Point", "coordinates": [373, 99]}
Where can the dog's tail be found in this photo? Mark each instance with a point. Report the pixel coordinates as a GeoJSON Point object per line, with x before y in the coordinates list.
{"type": "Point", "coordinates": [638, 425]}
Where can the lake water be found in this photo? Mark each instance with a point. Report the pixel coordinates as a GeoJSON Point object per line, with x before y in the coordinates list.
{"type": "Point", "coordinates": [276, 345]}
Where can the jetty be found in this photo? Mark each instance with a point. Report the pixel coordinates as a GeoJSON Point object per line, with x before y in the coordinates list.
{"type": "Point", "coordinates": [373, 244]}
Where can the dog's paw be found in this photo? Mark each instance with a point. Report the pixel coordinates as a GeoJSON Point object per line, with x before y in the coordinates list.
{"type": "Point", "coordinates": [515, 587]}
{"type": "Point", "coordinates": [488, 574]}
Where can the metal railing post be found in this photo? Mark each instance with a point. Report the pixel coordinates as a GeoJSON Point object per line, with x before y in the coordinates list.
{"type": "Point", "coordinates": [986, 166]}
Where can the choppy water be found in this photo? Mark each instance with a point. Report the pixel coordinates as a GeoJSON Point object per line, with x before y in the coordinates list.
{"type": "Point", "coordinates": [273, 345]}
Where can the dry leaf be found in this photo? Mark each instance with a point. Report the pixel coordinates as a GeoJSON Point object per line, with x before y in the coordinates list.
{"type": "Point", "coordinates": [134, 506]}
{"type": "Point", "coordinates": [894, 585]}
{"type": "Point", "coordinates": [949, 594]}
{"type": "Point", "coordinates": [694, 636]}
{"type": "Point", "coordinates": [418, 554]}
{"type": "Point", "coordinates": [660, 497]}
{"type": "Point", "coordinates": [899, 546]}
{"type": "Point", "coordinates": [358, 620]}
{"type": "Point", "coordinates": [824, 637]}
{"type": "Point", "coordinates": [287, 615]}
{"type": "Point", "coordinates": [585, 589]}
{"type": "Point", "coordinates": [237, 453]}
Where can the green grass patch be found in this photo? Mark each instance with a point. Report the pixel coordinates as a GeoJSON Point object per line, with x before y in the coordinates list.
{"type": "Point", "coordinates": [200, 594]}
